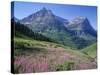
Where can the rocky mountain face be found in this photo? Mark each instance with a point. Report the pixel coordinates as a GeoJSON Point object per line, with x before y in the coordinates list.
{"type": "Point", "coordinates": [80, 26]}
{"type": "Point", "coordinates": [78, 33]}
{"type": "Point", "coordinates": [42, 20]}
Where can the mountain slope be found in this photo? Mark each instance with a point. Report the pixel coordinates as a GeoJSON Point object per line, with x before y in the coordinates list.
{"type": "Point", "coordinates": [80, 26]}
{"type": "Point", "coordinates": [91, 50]}
{"type": "Point", "coordinates": [22, 31]}
{"type": "Point", "coordinates": [82, 32]}
{"type": "Point", "coordinates": [46, 23]}
{"type": "Point", "coordinates": [77, 34]}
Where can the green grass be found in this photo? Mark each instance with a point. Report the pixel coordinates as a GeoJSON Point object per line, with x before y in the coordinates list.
{"type": "Point", "coordinates": [90, 50]}
{"type": "Point", "coordinates": [57, 56]}
{"type": "Point", "coordinates": [23, 46]}
{"type": "Point", "coordinates": [24, 42]}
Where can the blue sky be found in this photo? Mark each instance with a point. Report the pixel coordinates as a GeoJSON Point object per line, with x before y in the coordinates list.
{"type": "Point", "coordinates": [24, 9]}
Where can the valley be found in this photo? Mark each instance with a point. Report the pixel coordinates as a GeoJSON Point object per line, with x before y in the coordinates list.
{"type": "Point", "coordinates": [44, 42]}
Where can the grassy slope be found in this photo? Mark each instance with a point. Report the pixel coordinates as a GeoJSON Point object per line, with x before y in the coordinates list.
{"type": "Point", "coordinates": [42, 46]}
{"type": "Point", "coordinates": [90, 50]}
{"type": "Point", "coordinates": [56, 55]}
{"type": "Point", "coordinates": [30, 43]}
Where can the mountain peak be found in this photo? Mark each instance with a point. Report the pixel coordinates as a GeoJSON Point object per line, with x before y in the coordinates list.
{"type": "Point", "coordinates": [78, 20]}
{"type": "Point", "coordinates": [45, 10]}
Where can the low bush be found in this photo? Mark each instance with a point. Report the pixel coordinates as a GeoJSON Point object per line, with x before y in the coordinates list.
{"type": "Point", "coordinates": [67, 65]}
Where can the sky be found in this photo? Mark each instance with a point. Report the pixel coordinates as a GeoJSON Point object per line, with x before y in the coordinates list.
{"type": "Point", "coordinates": [24, 9]}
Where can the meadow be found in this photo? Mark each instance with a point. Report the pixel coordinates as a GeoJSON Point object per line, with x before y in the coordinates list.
{"type": "Point", "coordinates": [40, 56]}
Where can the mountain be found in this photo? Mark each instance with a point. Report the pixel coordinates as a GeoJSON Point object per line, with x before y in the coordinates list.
{"type": "Point", "coordinates": [22, 31]}
{"type": "Point", "coordinates": [77, 34]}
{"type": "Point", "coordinates": [45, 22]}
{"type": "Point", "coordinates": [81, 25]}
{"type": "Point", "coordinates": [42, 20]}
{"type": "Point", "coordinates": [82, 32]}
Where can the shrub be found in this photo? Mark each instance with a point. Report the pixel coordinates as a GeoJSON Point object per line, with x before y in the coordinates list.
{"type": "Point", "coordinates": [67, 65]}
